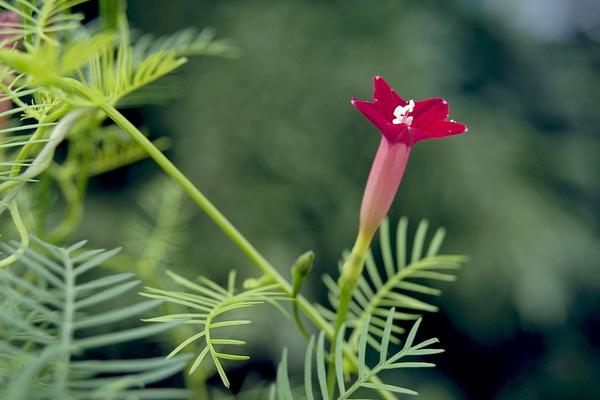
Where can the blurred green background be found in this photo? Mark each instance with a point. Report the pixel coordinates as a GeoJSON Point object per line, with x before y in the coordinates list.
{"type": "Point", "coordinates": [272, 139]}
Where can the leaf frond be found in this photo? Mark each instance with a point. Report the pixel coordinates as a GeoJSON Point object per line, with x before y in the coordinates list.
{"type": "Point", "coordinates": [38, 22]}
{"type": "Point", "coordinates": [159, 229]}
{"type": "Point", "coordinates": [209, 305]}
{"type": "Point", "coordinates": [185, 43]}
{"type": "Point", "coordinates": [366, 378]}
{"type": "Point", "coordinates": [116, 74]}
{"type": "Point", "coordinates": [50, 317]}
{"type": "Point", "coordinates": [394, 285]}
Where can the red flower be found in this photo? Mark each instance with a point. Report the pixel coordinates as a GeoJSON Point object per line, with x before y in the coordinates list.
{"type": "Point", "coordinates": [407, 121]}
{"type": "Point", "coordinates": [402, 124]}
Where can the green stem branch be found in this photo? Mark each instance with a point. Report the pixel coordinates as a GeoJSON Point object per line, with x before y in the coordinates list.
{"type": "Point", "coordinates": [351, 272]}
{"type": "Point", "coordinates": [23, 234]}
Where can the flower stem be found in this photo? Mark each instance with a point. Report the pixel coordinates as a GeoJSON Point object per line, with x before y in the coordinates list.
{"type": "Point", "coordinates": [351, 272]}
{"type": "Point", "coordinates": [111, 13]}
{"type": "Point", "coordinates": [24, 235]}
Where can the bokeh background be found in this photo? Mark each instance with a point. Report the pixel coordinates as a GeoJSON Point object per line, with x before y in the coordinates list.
{"type": "Point", "coordinates": [272, 139]}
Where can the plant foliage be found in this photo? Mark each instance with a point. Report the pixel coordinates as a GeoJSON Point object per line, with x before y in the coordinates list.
{"type": "Point", "coordinates": [186, 42]}
{"type": "Point", "coordinates": [362, 381]}
{"type": "Point", "coordinates": [51, 316]}
{"type": "Point", "coordinates": [209, 308]}
{"type": "Point", "coordinates": [403, 280]}
{"type": "Point", "coordinates": [157, 232]}
{"type": "Point", "coordinates": [55, 73]}
{"type": "Point", "coordinates": [41, 20]}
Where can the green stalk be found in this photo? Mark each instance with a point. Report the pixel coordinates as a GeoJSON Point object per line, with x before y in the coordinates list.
{"type": "Point", "coordinates": [351, 272]}
{"type": "Point", "coordinates": [112, 13]}
{"type": "Point", "coordinates": [66, 328]}
{"type": "Point", "coordinates": [23, 234]}
{"type": "Point", "coordinates": [201, 201]}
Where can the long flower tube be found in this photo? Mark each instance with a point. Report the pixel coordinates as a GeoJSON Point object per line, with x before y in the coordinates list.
{"type": "Point", "coordinates": [401, 124]}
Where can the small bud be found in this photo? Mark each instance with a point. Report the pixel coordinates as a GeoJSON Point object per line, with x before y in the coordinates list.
{"type": "Point", "coordinates": [300, 270]}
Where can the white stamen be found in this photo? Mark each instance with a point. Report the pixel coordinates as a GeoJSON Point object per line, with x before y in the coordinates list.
{"type": "Point", "coordinates": [400, 114]}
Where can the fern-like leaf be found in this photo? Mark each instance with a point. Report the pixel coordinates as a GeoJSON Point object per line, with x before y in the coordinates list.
{"type": "Point", "coordinates": [158, 231]}
{"type": "Point", "coordinates": [116, 75]}
{"type": "Point", "coordinates": [185, 43]}
{"type": "Point", "coordinates": [363, 380]}
{"type": "Point", "coordinates": [208, 304]}
{"type": "Point", "coordinates": [23, 121]}
{"type": "Point", "coordinates": [114, 149]}
{"type": "Point", "coordinates": [50, 314]}
{"type": "Point", "coordinates": [40, 20]}
{"type": "Point", "coordinates": [375, 294]}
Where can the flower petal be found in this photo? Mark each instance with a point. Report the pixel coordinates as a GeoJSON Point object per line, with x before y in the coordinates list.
{"type": "Point", "coordinates": [429, 111]}
{"type": "Point", "coordinates": [386, 97]}
{"type": "Point", "coordinates": [438, 130]}
{"type": "Point", "coordinates": [373, 113]}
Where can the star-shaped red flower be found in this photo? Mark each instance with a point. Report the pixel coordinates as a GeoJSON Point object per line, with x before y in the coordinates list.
{"type": "Point", "coordinates": [404, 121]}
{"type": "Point", "coordinates": [402, 124]}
